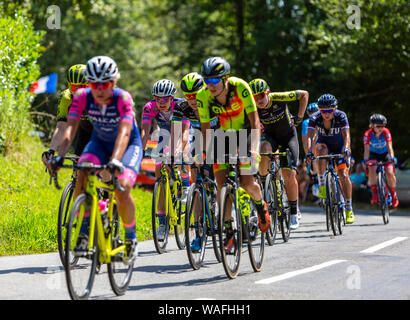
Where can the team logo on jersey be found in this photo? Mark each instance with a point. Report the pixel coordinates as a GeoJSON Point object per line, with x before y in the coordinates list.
{"type": "Point", "coordinates": [199, 104]}
{"type": "Point", "coordinates": [245, 93]}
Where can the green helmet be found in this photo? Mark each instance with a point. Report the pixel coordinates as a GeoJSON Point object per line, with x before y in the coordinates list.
{"type": "Point", "coordinates": [258, 86]}
{"type": "Point", "coordinates": [192, 83]}
{"type": "Point", "coordinates": [76, 74]}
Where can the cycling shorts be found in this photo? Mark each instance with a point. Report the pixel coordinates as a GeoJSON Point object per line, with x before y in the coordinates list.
{"type": "Point", "coordinates": [334, 149]}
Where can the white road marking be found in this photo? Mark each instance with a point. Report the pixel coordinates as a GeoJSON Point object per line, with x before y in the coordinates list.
{"type": "Point", "coordinates": [298, 272]}
{"type": "Point", "coordinates": [383, 245]}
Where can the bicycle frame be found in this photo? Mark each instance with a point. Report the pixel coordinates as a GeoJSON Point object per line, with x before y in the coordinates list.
{"type": "Point", "coordinates": [380, 169]}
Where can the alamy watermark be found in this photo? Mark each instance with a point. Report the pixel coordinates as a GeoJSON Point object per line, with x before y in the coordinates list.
{"type": "Point", "coordinates": [353, 21]}
{"type": "Point", "coordinates": [353, 281]}
{"type": "Point", "coordinates": [54, 18]}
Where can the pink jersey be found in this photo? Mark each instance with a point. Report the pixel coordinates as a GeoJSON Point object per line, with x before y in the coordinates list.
{"type": "Point", "coordinates": [163, 119]}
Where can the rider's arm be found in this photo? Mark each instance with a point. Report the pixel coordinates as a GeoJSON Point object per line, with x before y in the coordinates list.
{"type": "Point", "coordinates": [68, 136]}
{"type": "Point", "coordinates": [346, 139]}
{"type": "Point", "coordinates": [58, 134]}
{"type": "Point", "coordinates": [145, 125]}
{"type": "Point", "coordinates": [303, 101]}
{"type": "Point", "coordinates": [366, 151]}
{"type": "Point", "coordinates": [256, 131]}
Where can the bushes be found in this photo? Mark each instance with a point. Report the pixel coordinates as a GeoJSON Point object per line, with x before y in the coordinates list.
{"type": "Point", "coordinates": [19, 51]}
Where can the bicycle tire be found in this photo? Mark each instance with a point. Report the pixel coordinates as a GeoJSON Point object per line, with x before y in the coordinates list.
{"type": "Point", "coordinates": [285, 213]}
{"type": "Point", "coordinates": [195, 258]}
{"type": "Point", "coordinates": [90, 260]}
{"type": "Point", "coordinates": [331, 202]}
{"type": "Point", "coordinates": [235, 230]}
{"type": "Point", "coordinates": [179, 229]}
{"type": "Point", "coordinates": [270, 196]}
{"type": "Point", "coordinates": [383, 199]}
{"type": "Point", "coordinates": [256, 238]}
{"type": "Point", "coordinates": [341, 221]}
{"type": "Point", "coordinates": [215, 234]}
{"type": "Point", "coordinates": [160, 246]}
{"type": "Point", "coordinates": [116, 267]}
{"type": "Point", "coordinates": [62, 219]}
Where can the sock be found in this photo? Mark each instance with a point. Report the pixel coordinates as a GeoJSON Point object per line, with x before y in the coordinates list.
{"type": "Point", "coordinates": [129, 230]}
{"type": "Point", "coordinates": [161, 217]}
{"type": "Point", "coordinates": [348, 204]}
{"type": "Point", "coordinates": [185, 180]}
{"type": "Point", "coordinates": [293, 207]}
{"type": "Point", "coordinates": [321, 179]}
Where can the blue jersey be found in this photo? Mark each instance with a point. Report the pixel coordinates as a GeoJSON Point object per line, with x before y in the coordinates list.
{"type": "Point", "coordinates": [305, 125]}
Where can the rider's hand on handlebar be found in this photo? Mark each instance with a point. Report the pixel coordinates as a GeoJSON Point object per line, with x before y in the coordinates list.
{"type": "Point", "coordinates": [115, 164]}
{"type": "Point", "coordinates": [46, 156]}
{"type": "Point", "coordinates": [56, 163]}
{"type": "Point", "coordinates": [309, 157]}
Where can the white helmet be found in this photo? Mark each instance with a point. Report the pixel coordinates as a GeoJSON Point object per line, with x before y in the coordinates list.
{"type": "Point", "coordinates": [164, 88]}
{"type": "Point", "coordinates": [101, 69]}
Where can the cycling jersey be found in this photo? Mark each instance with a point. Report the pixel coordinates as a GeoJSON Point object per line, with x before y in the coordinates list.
{"type": "Point", "coordinates": [106, 121]}
{"type": "Point", "coordinates": [334, 134]}
{"type": "Point", "coordinates": [233, 115]}
{"type": "Point", "coordinates": [184, 113]}
{"type": "Point", "coordinates": [377, 145]}
{"type": "Point", "coordinates": [276, 118]}
{"type": "Point", "coordinates": [163, 119]}
{"type": "Point", "coordinates": [305, 125]}
{"type": "Point", "coordinates": [62, 111]}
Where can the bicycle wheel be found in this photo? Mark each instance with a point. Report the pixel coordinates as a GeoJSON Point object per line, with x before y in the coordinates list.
{"type": "Point", "coordinates": [193, 231]}
{"type": "Point", "coordinates": [179, 229]}
{"type": "Point", "coordinates": [214, 208]}
{"type": "Point", "coordinates": [285, 212]}
{"type": "Point", "coordinates": [383, 197]}
{"type": "Point", "coordinates": [332, 202]}
{"type": "Point", "coordinates": [230, 233]}
{"type": "Point", "coordinates": [270, 196]}
{"type": "Point", "coordinates": [119, 273]}
{"type": "Point", "coordinates": [63, 216]}
{"type": "Point", "coordinates": [80, 276]}
{"type": "Point", "coordinates": [340, 209]}
{"type": "Point", "coordinates": [256, 238]}
{"type": "Point", "coordinates": [160, 244]}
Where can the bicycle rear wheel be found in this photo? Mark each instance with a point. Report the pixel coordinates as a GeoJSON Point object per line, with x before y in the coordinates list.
{"type": "Point", "coordinates": [256, 238]}
{"type": "Point", "coordinates": [160, 244]}
{"type": "Point", "coordinates": [119, 273]}
{"type": "Point", "coordinates": [383, 197]}
{"type": "Point", "coordinates": [63, 216]}
{"type": "Point", "coordinates": [215, 234]}
{"type": "Point", "coordinates": [230, 233]}
{"type": "Point", "coordinates": [193, 231]}
{"type": "Point", "coordinates": [79, 276]}
{"type": "Point", "coordinates": [179, 229]}
{"type": "Point", "coordinates": [270, 196]}
{"type": "Point", "coordinates": [285, 212]}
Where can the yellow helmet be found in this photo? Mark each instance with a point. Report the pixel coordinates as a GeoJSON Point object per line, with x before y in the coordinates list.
{"type": "Point", "coordinates": [258, 86]}
{"type": "Point", "coordinates": [76, 75]}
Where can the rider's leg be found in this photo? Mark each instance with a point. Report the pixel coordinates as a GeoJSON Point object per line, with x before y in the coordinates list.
{"type": "Point", "coordinates": [321, 150]}
{"type": "Point", "coordinates": [373, 183]}
{"type": "Point", "coordinates": [391, 182]}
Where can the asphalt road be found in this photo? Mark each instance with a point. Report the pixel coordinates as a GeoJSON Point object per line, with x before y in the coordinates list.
{"type": "Point", "coordinates": [369, 261]}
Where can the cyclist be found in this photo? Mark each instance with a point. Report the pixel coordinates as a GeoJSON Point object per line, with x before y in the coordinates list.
{"type": "Point", "coordinates": [279, 132]}
{"type": "Point", "coordinates": [229, 99]}
{"type": "Point", "coordinates": [115, 140]}
{"type": "Point", "coordinates": [187, 110]}
{"type": "Point", "coordinates": [311, 109]}
{"type": "Point", "coordinates": [160, 109]}
{"type": "Point", "coordinates": [378, 146]}
{"type": "Point", "coordinates": [75, 79]}
{"type": "Point", "coordinates": [333, 132]}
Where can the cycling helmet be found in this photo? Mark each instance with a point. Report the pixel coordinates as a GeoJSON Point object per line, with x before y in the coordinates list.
{"type": "Point", "coordinates": [192, 83]}
{"type": "Point", "coordinates": [164, 88]}
{"type": "Point", "coordinates": [327, 101]}
{"type": "Point", "coordinates": [215, 67]}
{"type": "Point", "coordinates": [76, 74]}
{"type": "Point", "coordinates": [312, 108]}
{"type": "Point", "coordinates": [101, 69]}
{"type": "Point", "coordinates": [258, 86]}
{"type": "Point", "coordinates": [378, 119]}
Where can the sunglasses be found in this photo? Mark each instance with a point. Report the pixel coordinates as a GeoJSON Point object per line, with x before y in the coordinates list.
{"type": "Point", "coordinates": [214, 81]}
{"type": "Point", "coordinates": [102, 85]}
{"type": "Point", "coordinates": [162, 100]}
{"type": "Point", "coordinates": [259, 96]}
{"type": "Point", "coordinates": [190, 96]}
{"type": "Point", "coordinates": [379, 126]}
{"type": "Point", "coordinates": [327, 110]}
{"type": "Point", "coordinates": [75, 87]}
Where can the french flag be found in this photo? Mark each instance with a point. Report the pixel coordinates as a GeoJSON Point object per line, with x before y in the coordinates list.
{"type": "Point", "coordinates": [47, 84]}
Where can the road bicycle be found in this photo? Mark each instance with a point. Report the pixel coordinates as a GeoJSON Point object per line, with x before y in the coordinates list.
{"type": "Point", "coordinates": [334, 204]}
{"type": "Point", "coordinates": [174, 213]}
{"type": "Point", "coordinates": [383, 191]}
{"type": "Point", "coordinates": [105, 239]}
{"type": "Point", "coordinates": [238, 217]}
{"type": "Point", "coordinates": [202, 200]}
{"type": "Point", "coordinates": [276, 198]}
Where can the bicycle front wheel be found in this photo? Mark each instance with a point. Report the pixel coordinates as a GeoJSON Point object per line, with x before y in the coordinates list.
{"type": "Point", "coordinates": [79, 276]}
{"type": "Point", "coordinates": [160, 232]}
{"type": "Point", "coordinates": [230, 233]}
{"type": "Point", "coordinates": [179, 229]}
{"type": "Point", "coordinates": [332, 208]}
{"type": "Point", "coordinates": [256, 239]}
{"type": "Point", "coordinates": [285, 212]}
{"type": "Point", "coordinates": [119, 273]}
{"type": "Point", "coordinates": [383, 197]}
{"type": "Point", "coordinates": [271, 200]}
{"type": "Point", "coordinates": [63, 216]}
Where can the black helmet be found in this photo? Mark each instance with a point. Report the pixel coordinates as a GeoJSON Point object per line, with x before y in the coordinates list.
{"type": "Point", "coordinates": [327, 101]}
{"type": "Point", "coordinates": [378, 119]}
{"type": "Point", "coordinates": [215, 67]}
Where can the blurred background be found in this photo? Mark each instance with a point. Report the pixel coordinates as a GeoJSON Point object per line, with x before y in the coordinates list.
{"type": "Point", "coordinates": [356, 50]}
